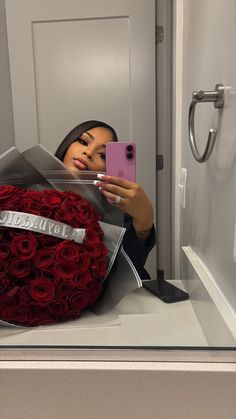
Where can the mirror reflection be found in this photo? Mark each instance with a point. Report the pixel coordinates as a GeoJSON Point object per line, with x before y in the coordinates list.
{"type": "Point", "coordinates": [74, 96]}
{"type": "Point", "coordinates": [84, 148]}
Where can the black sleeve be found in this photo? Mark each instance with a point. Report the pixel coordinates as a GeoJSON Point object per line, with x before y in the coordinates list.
{"type": "Point", "coordinates": [137, 249]}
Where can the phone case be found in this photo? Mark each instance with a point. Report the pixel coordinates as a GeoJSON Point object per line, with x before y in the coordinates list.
{"type": "Point", "coordinates": [166, 291]}
{"type": "Point", "coordinates": [121, 160]}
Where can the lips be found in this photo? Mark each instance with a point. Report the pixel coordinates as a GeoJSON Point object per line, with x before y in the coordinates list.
{"type": "Point", "coordinates": [80, 164]}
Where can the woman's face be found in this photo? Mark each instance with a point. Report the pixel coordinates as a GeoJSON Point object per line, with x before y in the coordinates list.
{"type": "Point", "coordinates": [89, 151]}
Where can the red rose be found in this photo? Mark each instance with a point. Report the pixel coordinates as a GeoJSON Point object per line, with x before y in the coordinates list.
{"type": "Point", "coordinates": [49, 274]}
{"type": "Point", "coordinates": [86, 217]}
{"type": "Point", "coordinates": [36, 208]}
{"type": "Point", "coordinates": [4, 283]}
{"type": "Point", "coordinates": [91, 236]}
{"type": "Point", "coordinates": [5, 250]}
{"type": "Point", "coordinates": [99, 269]}
{"type": "Point", "coordinates": [19, 299]}
{"type": "Point", "coordinates": [79, 300]}
{"type": "Point", "coordinates": [63, 216]}
{"type": "Point", "coordinates": [22, 296]}
{"type": "Point", "coordinates": [7, 308]}
{"type": "Point", "coordinates": [84, 278]}
{"type": "Point", "coordinates": [103, 250]}
{"type": "Point", "coordinates": [24, 246]}
{"type": "Point", "coordinates": [68, 251]}
{"type": "Point", "coordinates": [66, 270]}
{"type": "Point", "coordinates": [95, 291]}
{"type": "Point", "coordinates": [20, 268]}
{"type": "Point", "coordinates": [4, 267]}
{"type": "Point", "coordinates": [58, 308]}
{"type": "Point", "coordinates": [39, 316]}
{"type": "Point", "coordinates": [83, 263]}
{"type": "Point", "coordinates": [23, 315]}
{"type": "Point", "coordinates": [50, 199]}
{"type": "Point", "coordinates": [54, 193]}
{"type": "Point", "coordinates": [65, 288]}
{"type": "Point", "coordinates": [42, 291]}
{"type": "Point", "coordinates": [48, 241]}
{"type": "Point", "coordinates": [11, 301]}
{"type": "Point", "coordinates": [2, 232]}
{"type": "Point", "coordinates": [15, 232]}
{"type": "Point", "coordinates": [14, 202]}
{"type": "Point", "coordinates": [73, 199]}
{"type": "Point", "coordinates": [44, 258]}
{"type": "Point", "coordinates": [47, 211]}
{"type": "Point", "coordinates": [32, 195]}
{"type": "Point", "coordinates": [7, 191]}
{"type": "Point", "coordinates": [91, 249]}
{"type": "Point", "coordinates": [32, 207]}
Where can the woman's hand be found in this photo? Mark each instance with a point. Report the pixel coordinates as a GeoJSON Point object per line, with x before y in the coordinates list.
{"type": "Point", "coordinates": [133, 201]}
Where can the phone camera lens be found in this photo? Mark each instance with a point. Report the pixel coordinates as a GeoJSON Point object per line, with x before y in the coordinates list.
{"type": "Point", "coordinates": [130, 156]}
{"type": "Point", "coordinates": [129, 148]}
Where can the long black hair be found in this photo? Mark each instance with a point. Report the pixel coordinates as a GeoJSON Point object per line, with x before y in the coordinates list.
{"type": "Point", "coordinates": [76, 133]}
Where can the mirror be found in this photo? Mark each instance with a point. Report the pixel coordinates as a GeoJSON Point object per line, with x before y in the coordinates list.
{"type": "Point", "coordinates": [67, 75]}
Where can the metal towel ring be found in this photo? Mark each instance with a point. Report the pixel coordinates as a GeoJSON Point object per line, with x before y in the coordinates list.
{"type": "Point", "coordinates": [216, 96]}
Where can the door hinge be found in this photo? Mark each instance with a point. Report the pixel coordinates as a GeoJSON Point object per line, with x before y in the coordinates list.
{"type": "Point", "coordinates": [159, 162]}
{"type": "Point", "coordinates": [159, 34]}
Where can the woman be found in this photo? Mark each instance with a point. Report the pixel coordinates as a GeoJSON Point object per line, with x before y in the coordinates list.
{"type": "Point", "coordinates": [84, 148]}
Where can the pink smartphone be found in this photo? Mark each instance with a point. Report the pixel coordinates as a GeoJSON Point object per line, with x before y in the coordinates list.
{"type": "Point", "coordinates": [121, 160]}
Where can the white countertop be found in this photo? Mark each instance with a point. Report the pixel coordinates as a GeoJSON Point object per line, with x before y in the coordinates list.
{"type": "Point", "coordinates": [140, 319]}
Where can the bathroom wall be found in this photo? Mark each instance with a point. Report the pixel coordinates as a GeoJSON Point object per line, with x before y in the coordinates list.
{"type": "Point", "coordinates": [207, 224]}
{"type": "Point", "coordinates": [6, 112]}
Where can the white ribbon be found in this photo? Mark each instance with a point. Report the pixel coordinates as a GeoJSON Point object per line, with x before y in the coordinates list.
{"type": "Point", "coordinates": [32, 222]}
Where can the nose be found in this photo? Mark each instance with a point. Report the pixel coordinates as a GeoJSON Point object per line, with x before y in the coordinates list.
{"type": "Point", "coordinates": [88, 154]}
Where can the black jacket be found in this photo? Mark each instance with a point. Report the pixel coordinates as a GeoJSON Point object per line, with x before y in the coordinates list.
{"type": "Point", "coordinates": [136, 249]}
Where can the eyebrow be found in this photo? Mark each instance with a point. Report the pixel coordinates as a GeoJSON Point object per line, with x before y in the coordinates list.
{"type": "Point", "coordinates": [93, 138]}
{"type": "Point", "coordinates": [90, 135]}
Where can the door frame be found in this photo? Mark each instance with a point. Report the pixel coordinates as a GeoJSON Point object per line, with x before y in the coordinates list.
{"type": "Point", "coordinates": [166, 219]}
{"type": "Point", "coordinates": [177, 59]}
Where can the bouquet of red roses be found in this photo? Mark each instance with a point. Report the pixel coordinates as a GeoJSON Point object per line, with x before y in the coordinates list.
{"type": "Point", "coordinates": [52, 256]}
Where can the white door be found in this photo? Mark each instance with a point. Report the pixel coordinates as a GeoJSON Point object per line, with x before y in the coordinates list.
{"type": "Point", "coordinates": [74, 60]}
